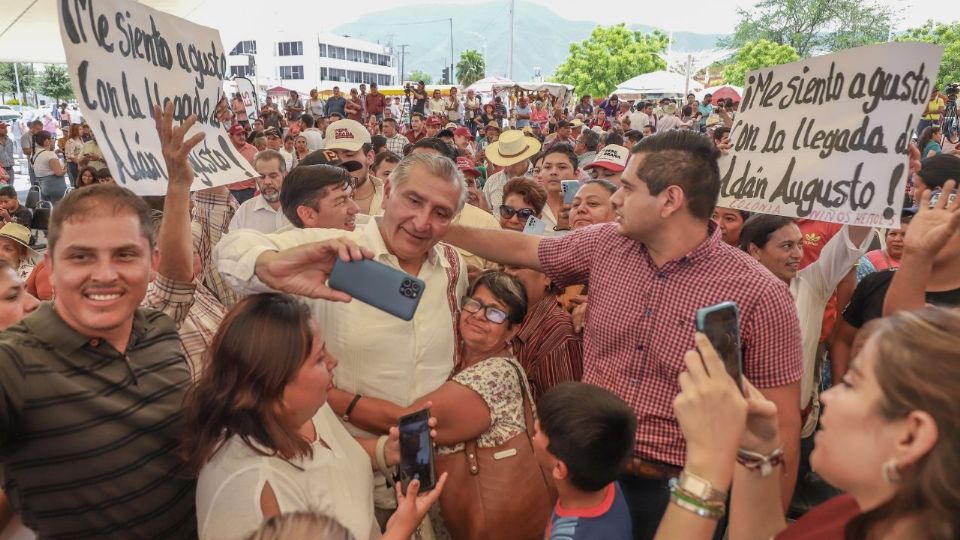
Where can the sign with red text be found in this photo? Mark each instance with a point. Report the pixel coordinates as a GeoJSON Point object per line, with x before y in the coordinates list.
{"type": "Point", "coordinates": [124, 58]}
{"type": "Point", "coordinates": [827, 138]}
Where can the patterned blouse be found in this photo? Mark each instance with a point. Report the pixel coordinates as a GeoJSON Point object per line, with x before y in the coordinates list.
{"type": "Point", "coordinates": [495, 380]}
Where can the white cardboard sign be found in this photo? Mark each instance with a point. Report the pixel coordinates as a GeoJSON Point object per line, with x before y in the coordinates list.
{"type": "Point", "coordinates": [826, 138]}
{"type": "Point", "coordinates": [124, 58]}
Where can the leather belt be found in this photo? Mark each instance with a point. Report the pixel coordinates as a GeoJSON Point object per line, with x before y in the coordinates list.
{"type": "Point", "coordinates": [651, 470]}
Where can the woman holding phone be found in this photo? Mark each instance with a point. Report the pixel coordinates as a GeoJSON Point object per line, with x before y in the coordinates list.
{"type": "Point", "coordinates": [483, 399]}
{"type": "Point", "coordinates": [258, 430]}
{"type": "Point", "coordinates": [890, 439]}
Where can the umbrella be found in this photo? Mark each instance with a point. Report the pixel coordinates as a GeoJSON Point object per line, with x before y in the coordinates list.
{"type": "Point", "coordinates": [724, 93]}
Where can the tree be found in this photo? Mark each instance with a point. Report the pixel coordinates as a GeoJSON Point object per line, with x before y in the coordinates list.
{"type": "Point", "coordinates": [610, 56]}
{"type": "Point", "coordinates": [942, 34]}
{"type": "Point", "coordinates": [756, 55]}
{"type": "Point", "coordinates": [810, 25]}
{"type": "Point", "coordinates": [419, 75]}
{"type": "Point", "coordinates": [56, 83]}
{"type": "Point", "coordinates": [471, 67]}
{"type": "Point", "coordinates": [28, 79]}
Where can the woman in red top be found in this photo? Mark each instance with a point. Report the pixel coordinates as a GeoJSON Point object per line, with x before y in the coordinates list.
{"type": "Point", "coordinates": [889, 438]}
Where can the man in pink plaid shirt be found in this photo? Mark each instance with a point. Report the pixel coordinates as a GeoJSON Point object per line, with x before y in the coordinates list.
{"type": "Point", "coordinates": [647, 274]}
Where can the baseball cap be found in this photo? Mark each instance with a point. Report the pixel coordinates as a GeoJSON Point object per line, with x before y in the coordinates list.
{"type": "Point", "coordinates": [433, 121]}
{"type": "Point", "coordinates": [237, 129]}
{"type": "Point", "coordinates": [493, 124]}
{"type": "Point", "coordinates": [328, 157]}
{"type": "Point", "coordinates": [452, 126]}
{"type": "Point", "coordinates": [462, 132]}
{"type": "Point", "coordinates": [347, 135]}
{"type": "Point", "coordinates": [612, 157]}
{"type": "Point", "coordinates": [575, 123]}
{"type": "Point", "coordinates": [466, 165]}
{"type": "Point", "coordinates": [271, 132]}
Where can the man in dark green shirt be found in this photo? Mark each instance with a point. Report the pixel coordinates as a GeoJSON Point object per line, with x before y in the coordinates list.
{"type": "Point", "coordinates": [91, 385]}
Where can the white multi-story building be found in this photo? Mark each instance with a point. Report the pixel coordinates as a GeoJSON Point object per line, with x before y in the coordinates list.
{"type": "Point", "coordinates": [304, 61]}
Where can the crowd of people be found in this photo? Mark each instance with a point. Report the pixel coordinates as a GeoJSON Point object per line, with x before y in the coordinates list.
{"type": "Point", "coordinates": [180, 367]}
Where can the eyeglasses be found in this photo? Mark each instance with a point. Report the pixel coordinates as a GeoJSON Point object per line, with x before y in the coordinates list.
{"type": "Point", "coordinates": [491, 313]}
{"type": "Point", "coordinates": [507, 212]}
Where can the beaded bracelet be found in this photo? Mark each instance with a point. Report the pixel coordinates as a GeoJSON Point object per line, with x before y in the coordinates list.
{"type": "Point", "coordinates": [759, 462]}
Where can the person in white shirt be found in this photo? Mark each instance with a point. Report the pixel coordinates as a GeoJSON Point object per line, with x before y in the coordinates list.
{"type": "Point", "coordinates": [511, 151]}
{"type": "Point", "coordinates": [776, 242]}
{"type": "Point", "coordinates": [262, 213]}
{"type": "Point", "coordinates": [380, 355]}
{"type": "Point", "coordinates": [284, 451]}
{"type": "Point", "coordinates": [309, 132]}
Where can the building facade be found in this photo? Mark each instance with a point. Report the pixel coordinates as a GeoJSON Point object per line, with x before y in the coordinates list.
{"type": "Point", "coordinates": [304, 61]}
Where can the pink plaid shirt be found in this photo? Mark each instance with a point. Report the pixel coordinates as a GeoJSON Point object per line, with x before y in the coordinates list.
{"type": "Point", "coordinates": [641, 321]}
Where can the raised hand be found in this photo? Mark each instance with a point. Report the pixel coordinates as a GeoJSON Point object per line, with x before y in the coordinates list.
{"type": "Point", "coordinates": [304, 270]}
{"type": "Point", "coordinates": [932, 228]}
{"type": "Point", "coordinates": [176, 150]}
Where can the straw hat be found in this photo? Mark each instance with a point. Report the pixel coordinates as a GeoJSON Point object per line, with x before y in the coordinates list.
{"type": "Point", "coordinates": [512, 147]}
{"type": "Point", "coordinates": [21, 235]}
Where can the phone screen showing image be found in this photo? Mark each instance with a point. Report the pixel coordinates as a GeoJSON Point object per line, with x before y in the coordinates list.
{"type": "Point", "coordinates": [416, 451]}
{"type": "Point", "coordinates": [721, 325]}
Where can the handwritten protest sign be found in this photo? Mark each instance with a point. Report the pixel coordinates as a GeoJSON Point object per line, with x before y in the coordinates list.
{"type": "Point", "coordinates": [124, 58]}
{"type": "Point", "coordinates": [827, 138]}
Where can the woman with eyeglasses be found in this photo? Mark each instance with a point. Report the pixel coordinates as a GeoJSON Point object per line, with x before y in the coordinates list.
{"type": "Point", "coordinates": [482, 401]}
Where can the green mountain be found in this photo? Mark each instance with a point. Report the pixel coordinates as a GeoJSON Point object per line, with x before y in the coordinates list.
{"type": "Point", "coordinates": [541, 40]}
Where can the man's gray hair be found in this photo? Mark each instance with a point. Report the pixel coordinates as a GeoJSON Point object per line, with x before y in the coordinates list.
{"type": "Point", "coordinates": [436, 165]}
{"type": "Point", "coordinates": [268, 155]}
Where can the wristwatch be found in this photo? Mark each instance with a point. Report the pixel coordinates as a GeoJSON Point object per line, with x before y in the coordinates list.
{"type": "Point", "coordinates": [700, 488]}
{"type": "Point", "coordinates": [346, 413]}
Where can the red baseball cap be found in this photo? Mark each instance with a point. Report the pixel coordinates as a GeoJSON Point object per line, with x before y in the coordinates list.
{"type": "Point", "coordinates": [237, 129]}
{"type": "Point", "coordinates": [433, 121]}
{"type": "Point", "coordinates": [466, 165]}
{"type": "Point", "coordinates": [462, 132]}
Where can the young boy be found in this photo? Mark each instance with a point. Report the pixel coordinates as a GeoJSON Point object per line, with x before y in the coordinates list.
{"type": "Point", "coordinates": [584, 436]}
{"type": "Point", "coordinates": [11, 211]}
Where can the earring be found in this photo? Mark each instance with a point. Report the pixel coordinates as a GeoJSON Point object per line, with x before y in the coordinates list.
{"type": "Point", "coordinates": [890, 473]}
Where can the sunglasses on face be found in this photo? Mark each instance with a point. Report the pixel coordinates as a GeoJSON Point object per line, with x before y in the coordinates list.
{"type": "Point", "coordinates": [507, 212]}
{"type": "Point", "coordinates": [491, 313]}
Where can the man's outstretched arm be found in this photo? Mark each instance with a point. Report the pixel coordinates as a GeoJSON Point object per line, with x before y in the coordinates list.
{"type": "Point", "coordinates": [505, 247]}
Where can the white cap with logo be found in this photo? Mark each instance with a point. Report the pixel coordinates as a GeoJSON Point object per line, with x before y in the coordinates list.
{"type": "Point", "coordinates": [347, 135]}
{"type": "Point", "coordinates": [612, 157]}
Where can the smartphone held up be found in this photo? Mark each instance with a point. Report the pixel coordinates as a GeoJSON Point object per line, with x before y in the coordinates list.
{"type": "Point", "coordinates": [379, 285]}
{"type": "Point", "coordinates": [416, 451]}
{"type": "Point", "coordinates": [721, 324]}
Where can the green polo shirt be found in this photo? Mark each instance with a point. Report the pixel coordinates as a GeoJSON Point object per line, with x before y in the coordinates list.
{"type": "Point", "coordinates": [89, 436]}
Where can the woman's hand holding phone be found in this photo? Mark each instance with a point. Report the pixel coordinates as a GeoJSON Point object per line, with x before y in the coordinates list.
{"type": "Point", "coordinates": [712, 413]}
{"type": "Point", "coordinates": [411, 509]}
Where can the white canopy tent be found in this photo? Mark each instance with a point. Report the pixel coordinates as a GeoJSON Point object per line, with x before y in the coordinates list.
{"type": "Point", "coordinates": [657, 83]}
{"type": "Point", "coordinates": [485, 85]}
{"type": "Point", "coordinates": [30, 29]}
{"type": "Point", "coordinates": [556, 89]}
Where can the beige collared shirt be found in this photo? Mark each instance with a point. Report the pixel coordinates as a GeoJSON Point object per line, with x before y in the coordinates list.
{"type": "Point", "coordinates": [379, 355]}
{"type": "Point", "coordinates": [257, 214]}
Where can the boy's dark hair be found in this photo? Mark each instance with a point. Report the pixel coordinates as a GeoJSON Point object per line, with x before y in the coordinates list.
{"type": "Point", "coordinates": [613, 138]}
{"type": "Point", "coordinates": [936, 170]}
{"type": "Point", "coordinates": [9, 192]}
{"type": "Point", "coordinates": [378, 143]}
{"type": "Point", "coordinates": [567, 150]}
{"type": "Point", "coordinates": [719, 132]}
{"type": "Point", "coordinates": [591, 430]}
{"type": "Point", "coordinates": [685, 159]}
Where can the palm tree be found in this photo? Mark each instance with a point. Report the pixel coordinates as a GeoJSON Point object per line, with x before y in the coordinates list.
{"type": "Point", "coordinates": [471, 67]}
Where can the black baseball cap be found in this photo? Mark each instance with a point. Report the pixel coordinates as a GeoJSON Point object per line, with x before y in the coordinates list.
{"type": "Point", "coordinates": [329, 157]}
